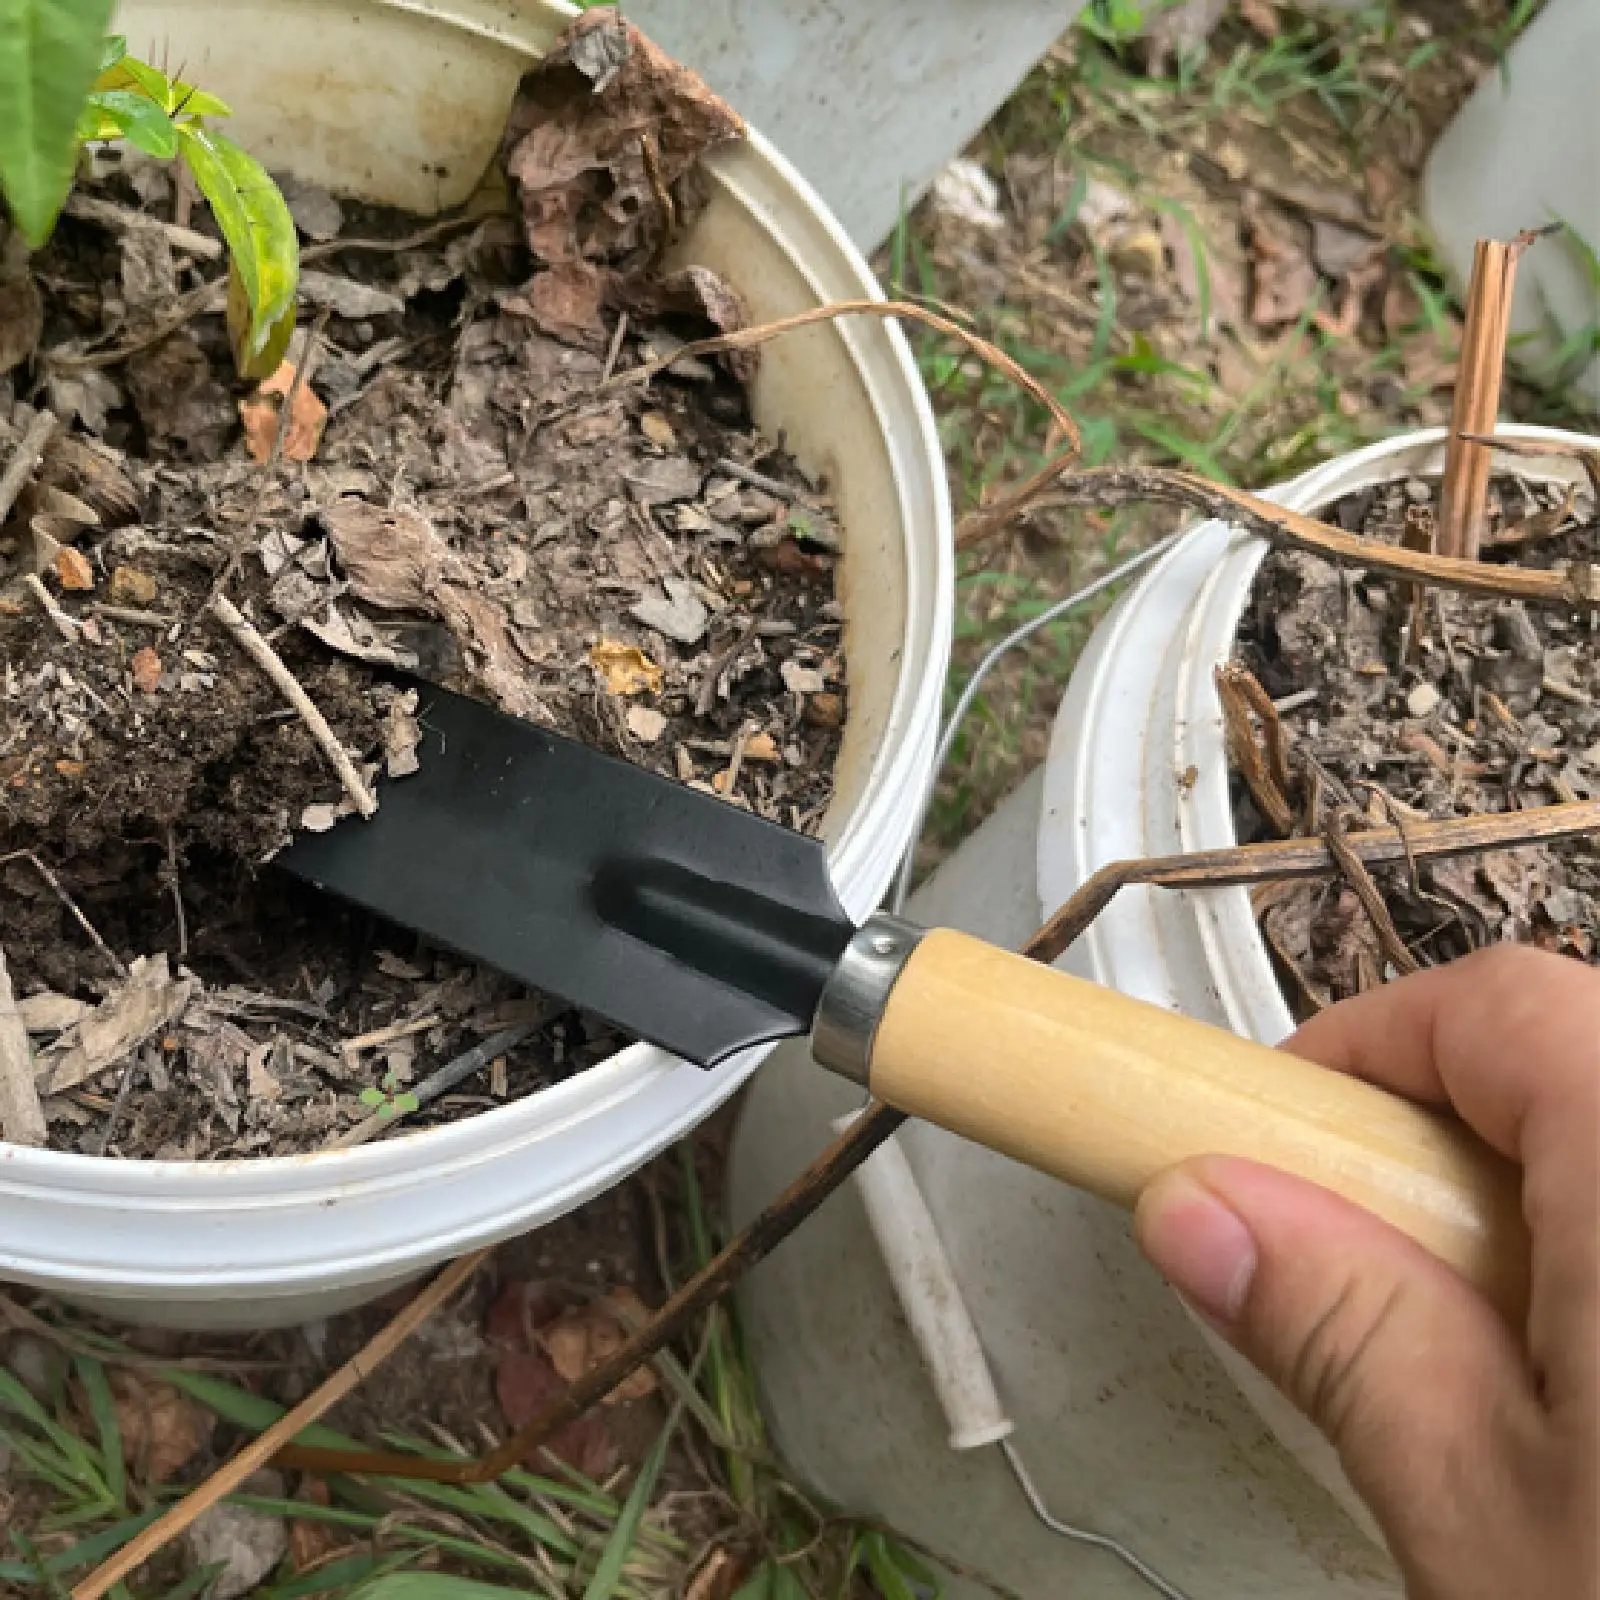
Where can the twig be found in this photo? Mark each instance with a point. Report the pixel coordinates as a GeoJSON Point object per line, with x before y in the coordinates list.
{"type": "Point", "coordinates": [250, 641]}
{"type": "Point", "coordinates": [20, 468]}
{"type": "Point", "coordinates": [196, 303]}
{"type": "Point", "coordinates": [412, 241]}
{"type": "Point", "coordinates": [980, 524]}
{"type": "Point", "coordinates": [112, 959]}
{"type": "Point", "coordinates": [147, 619]}
{"type": "Point", "coordinates": [176, 887]}
{"type": "Point", "coordinates": [1266, 778]}
{"type": "Point", "coordinates": [23, 1320]}
{"type": "Point", "coordinates": [1535, 529]}
{"type": "Point", "coordinates": [1311, 858]}
{"type": "Point", "coordinates": [227, 1478]}
{"type": "Point", "coordinates": [756, 480]}
{"type": "Point", "coordinates": [1586, 455]}
{"type": "Point", "coordinates": [707, 697]}
{"type": "Point", "coordinates": [1337, 838]}
{"type": "Point", "coordinates": [436, 1084]}
{"type": "Point", "coordinates": [614, 349]}
{"type": "Point", "coordinates": [67, 627]}
{"type": "Point", "coordinates": [123, 220]}
{"type": "Point", "coordinates": [1463, 494]}
{"type": "Point", "coordinates": [751, 1245]}
{"type": "Point", "coordinates": [391, 1034]}
{"type": "Point", "coordinates": [1101, 487]}
{"type": "Point", "coordinates": [22, 1119]}
{"type": "Point", "coordinates": [124, 1088]}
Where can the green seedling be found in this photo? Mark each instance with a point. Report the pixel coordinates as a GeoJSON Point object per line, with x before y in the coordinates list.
{"type": "Point", "coordinates": [65, 84]}
{"type": "Point", "coordinates": [387, 1098]}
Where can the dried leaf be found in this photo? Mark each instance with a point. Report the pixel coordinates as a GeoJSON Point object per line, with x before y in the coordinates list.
{"type": "Point", "coordinates": [681, 614]}
{"type": "Point", "coordinates": [261, 411]}
{"type": "Point", "coordinates": [1261, 15]}
{"type": "Point", "coordinates": [1340, 251]}
{"type": "Point", "coordinates": [145, 669]}
{"type": "Point", "coordinates": [162, 1429]}
{"type": "Point", "coordinates": [577, 140]}
{"type": "Point", "coordinates": [21, 321]}
{"type": "Point", "coordinates": [1284, 279]}
{"type": "Point", "coordinates": [564, 302]}
{"type": "Point", "coordinates": [146, 1003]}
{"type": "Point", "coordinates": [525, 1382]}
{"type": "Point", "coordinates": [580, 1340]}
{"type": "Point", "coordinates": [625, 669]}
{"type": "Point", "coordinates": [73, 569]}
{"type": "Point", "coordinates": [646, 724]}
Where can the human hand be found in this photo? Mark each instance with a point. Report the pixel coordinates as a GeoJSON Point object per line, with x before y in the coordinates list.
{"type": "Point", "coordinates": [1476, 1445]}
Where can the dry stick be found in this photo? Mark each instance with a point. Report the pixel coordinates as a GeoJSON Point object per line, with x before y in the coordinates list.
{"type": "Point", "coordinates": [112, 959]}
{"type": "Point", "coordinates": [20, 468]}
{"type": "Point", "coordinates": [707, 1286]}
{"type": "Point", "coordinates": [1463, 495]}
{"type": "Point", "coordinates": [250, 641]}
{"type": "Point", "coordinates": [22, 1119]}
{"type": "Point", "coordinates": [1243, 864]}
{"type": "Point", "coordinates": [123, 220]}
{"type": "Point", "coordinates": [1585, 455]}
{"type": "Point", "coordinates": [1337, 838]}
{"type": "Point", "coordinates": [1311, 858]}
{"type": "Point", "coordinates": [1267, 779]}
{"type": "Point", "coordinates": [1100, 487]}
{"type": "Point", "coordinates": [981, 523]}
{"type": "Point", "coordinates": [227, 1478]}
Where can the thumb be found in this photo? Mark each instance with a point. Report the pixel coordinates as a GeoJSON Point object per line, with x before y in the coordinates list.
{"type": "Point", "coordinates": [1410, 1373]}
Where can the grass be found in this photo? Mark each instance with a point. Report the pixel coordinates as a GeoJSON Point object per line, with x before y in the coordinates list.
{"type": "Point", "coordinates": [1196, 384]}
{"type": "Point", "coordinates": [554, 1535]}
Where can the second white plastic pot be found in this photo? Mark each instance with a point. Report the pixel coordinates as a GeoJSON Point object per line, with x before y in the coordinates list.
{"type": "Point", "coordinates": [403, 103]}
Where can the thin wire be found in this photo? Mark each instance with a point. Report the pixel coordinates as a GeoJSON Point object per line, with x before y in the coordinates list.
{"type": "Point", "coordinates": [1099, 1541]}
{"type": "Point", "coordinates": [1017, 636]}
{"type": "Point", "coordinates": [897, 900]}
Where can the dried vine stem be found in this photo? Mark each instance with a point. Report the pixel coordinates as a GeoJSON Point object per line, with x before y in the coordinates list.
{"type": "Point", "coordinates": [1311, 858]}
{"type": "Point", "coordinates": [1266, 776]}
{"type": "Point", "coordinates": [980, 524]}
{"type": "Point", "coordinates": [1100, 487]}
{"type": "Point", "coordinates": [1337, 838]}
{"type": "Point", "coordinates": [1586, 456]}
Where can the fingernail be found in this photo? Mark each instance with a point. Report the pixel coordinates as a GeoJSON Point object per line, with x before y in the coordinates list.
{"type": "Point", "coordinates": [1198, 1243]}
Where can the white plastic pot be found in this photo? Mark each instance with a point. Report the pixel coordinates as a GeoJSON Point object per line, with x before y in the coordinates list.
{"type": "Point", "coordinates": [402, 103]}
{"type": "Point", "coordinates": [1134, 1420]}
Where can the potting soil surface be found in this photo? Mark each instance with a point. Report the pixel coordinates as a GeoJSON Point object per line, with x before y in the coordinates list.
{"type": "Point", "coordinates": [1495, 707]}
{"type": "Point", "coordinates": [633, 565]}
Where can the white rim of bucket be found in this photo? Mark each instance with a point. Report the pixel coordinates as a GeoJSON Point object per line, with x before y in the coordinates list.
{"type": "Point", "coordinates": [863, 858]}
{"type": "Point", "coordinates": [1236, 956]}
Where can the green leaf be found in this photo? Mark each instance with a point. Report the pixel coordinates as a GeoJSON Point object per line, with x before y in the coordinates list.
{"type": "Point", "coordinates": [405, 1103]}
{"type": "Point", "coordinates": [49, 53]}
{"type": "Point", "coordinates": [193, 102]}
{"type": "Point", "coordinates": [266, 360]}
{"type": "Point", "coordinates": [608, 1573]}
{"type": "Point", "coordinates": [254, 218]}
{"type": "Point", "coordinates": [129, 72]}
{"type": "Point", "coordinates": [373, 1097]}
{"type": "Point", "coordinates": [123, 114]}
{"type": "Point", "coordinates": [114, 49]}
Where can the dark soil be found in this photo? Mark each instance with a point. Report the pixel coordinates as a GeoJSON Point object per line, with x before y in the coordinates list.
{"type": "Point", "coordinates": [477, 512]}
{"type": "Point", "coordinates": [1493, 708]}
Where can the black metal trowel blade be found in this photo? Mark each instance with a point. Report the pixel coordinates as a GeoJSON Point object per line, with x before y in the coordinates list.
{"type": "Point", "coordinates": [671, 914]}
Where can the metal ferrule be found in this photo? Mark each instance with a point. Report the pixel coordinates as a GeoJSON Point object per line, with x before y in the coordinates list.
{"type": "Point", "coordinates": [857, 994]}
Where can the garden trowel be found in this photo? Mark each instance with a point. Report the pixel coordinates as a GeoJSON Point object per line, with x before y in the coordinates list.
{"type": "Point", "coordinates": [707, 930]}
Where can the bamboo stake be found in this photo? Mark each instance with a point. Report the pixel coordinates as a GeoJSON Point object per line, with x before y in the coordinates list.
{"type": "Point", "coordinates": [1463, 497]}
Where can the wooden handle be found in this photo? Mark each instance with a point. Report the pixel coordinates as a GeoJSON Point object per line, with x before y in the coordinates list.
{"type": "Point", "coordinates": [1106, 1092]}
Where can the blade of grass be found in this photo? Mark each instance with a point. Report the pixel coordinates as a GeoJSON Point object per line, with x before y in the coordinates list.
{"type": "Point", "coordinates": [103, 1409]}
{"type": "Point", "coordinates": [607, 1575]}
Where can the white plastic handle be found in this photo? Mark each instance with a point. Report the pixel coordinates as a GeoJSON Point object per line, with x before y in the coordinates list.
{"type": "Point", "coordinates": [929, 1296]}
